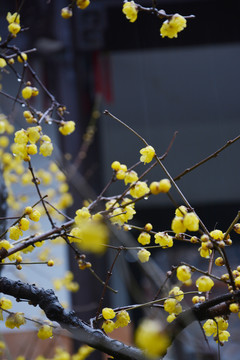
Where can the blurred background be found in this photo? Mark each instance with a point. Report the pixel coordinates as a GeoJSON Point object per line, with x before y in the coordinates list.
{"type": "Point", "coordinates": [99, 60]}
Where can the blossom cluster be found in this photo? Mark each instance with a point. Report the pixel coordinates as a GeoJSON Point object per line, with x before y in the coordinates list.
{"type": "Point", "coordinates": [14, 23]}
{"type": "Point", "coordinates": [170, 27]}
{"type": "Point", "coordinates": [218, 328]}
{"type": "Point", "coordinates": [184, 220]}
{"type": "Point", "coordinates": [172, 304]}
{"type": "Point", "coordinates": [122, 319]}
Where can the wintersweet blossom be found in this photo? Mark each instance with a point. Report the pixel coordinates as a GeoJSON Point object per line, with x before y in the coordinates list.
{"type": "Point", "coordinates": [204, 283]}
{"type": "Point", "coordinates": [150, 337]}
{"type": "Point", "coordinates": [14, 23]}
{"type": "Point", "coordinates": [66, 12]}
{"type": "Point", "coordinates": [67, 128]}
{"type": "Point", "coordinates": [45, 332]}
{"type": "Point", "coordinates": [143, 255]}
{"type": "Point", "coordinates": [217, 327]}
{"type": "Point", "coordinates": [108, 313]}
{"type": "Point", "coordinates": [130, 10]}
{"type": "Point", "coordinates": [173, 26]}
{"type": "Point", "coordinates": [83, 4]}
{"type": "Point", "coordinates": [147, 154]}
{"type": "Point", "coordinates": [163, 239]}
{"type": "Point", "coordinates": [183, 273]}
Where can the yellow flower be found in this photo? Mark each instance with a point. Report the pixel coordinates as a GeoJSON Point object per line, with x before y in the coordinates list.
{"type": "Point", "coordinates": [217, 234]}
{"type": "Point", "coordinates": [120, 174]}
{"type": "Point", "coordinates": [217, 327]}
{"type": "Point", "coordinates": [130, 177]}
{"type": "Point", "coordinates": [210, 327]}
{"type": "Point", "coordinates": [234, 308]}
{"type": "Point", "coordinates": [205, 253]}
{"type": "Point", "coordinates": [67, 128]}
{"type": "Point", "coordinates": [27, 92]}
{"type": "Point", "coordinates": [236, 228]}
{"type": "Point", "coordinates": [191, 221]}
{"type": "Point", "coordinates": [223, 336]}
{"type": "Point", "coordinates": [2, 347]}
{"type": "Point", "coordinates": [46, 148]}
{"type": "Point", "coordinates": [5, 303]}
{"type": "Point", "coordinates": [115, 165]}
{"type": "Point", "coordinates": [83, 352]}
{"type": "Point", "coordinates": [45, 332]}
{"type": "Point", "coordinates": [172, 27]}
{"type": "Point", "coordinates": [4, 141]}
{"type": "Point", "coordinates": [14, 28]}
{"type": "Point", "coordinates": [83, 214]}
{"type": "Point", "coordinates": [82, 4]}
{"type": "Point", "coordinates": [32, 149]}
{"type": "Point", "coordinates": [123, 319]}
{"type": "Point", "coordinates": [151, 338]}
{"type": "Point", "coordinates": [130, 10]}
{"type": "Point", "coordinates": [139, 189]}
{"type": "Point", "coordinates": [181, 211]}
{"type": "Point", "coordinates": [108, 326]}
{"type": "Point", "coordinates": [22, 58]}
{"type": "Point", "coordinates": [13, 18]}
{"type": "Point", "coordinates": [5, 245]}
{"type": "Point", "coordinates": [179, 295]}
{"type": "Point", "coordinates": [93, 235]}
{"type": "Point", "coordinates": [147, 154]}
{"type": "Point", "coordinates": [122, 215]}
{"type": "Point", "coordinates": [164, 185]}
{"type": "Point", "coordinates": [144, 238]}
{"type": "Point", "coordinates": [171, 318]}
{"type": "Point", "coordinates": [2, 126]}
{"type": "Point", "coordinates": [15, 232]}
{"type": "Point", "coordinates": [33, 133]}
{"type": "Point", "coordinates": [15, 320]}
{"type": "Point", "coordinates": [2, 63]}
{"type": "Point", "coordinates": [183, 273]}
{"type": "Point", "coordinates": [170, 305]}
{"type": "Point", "coordinates": [219, 261]}
{"type": "Point", "coordinates": [35, 215]}
{"type": "Point", "coordinates": [108, 313]}
{"type": "Point", "coordinates": [21, 137]}
{"type": "Point", "coordinates": [154, 188]}
{"type": "Point", "coordinates": [66, 12]}
{"type": "Point", "coordinates": [24, 224]}
{"type": "Point", "coordinates": [204, 283]}
{"type": "Point", "coordinates": [163, 239]}
{"type": "Point", "coordinates": [143, 255]}
{"type": "Point", "coordinates": [177, 225]}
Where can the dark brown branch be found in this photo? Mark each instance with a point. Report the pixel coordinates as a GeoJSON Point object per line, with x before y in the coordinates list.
{"type": "Point", "coordinates": [59, 231]}
{"type": "Point", "coordinates": [209, 309]}
{"type": "Point", "coordinates": [161, 14]}
{"type": "Point", "coordinates": [49, 303]}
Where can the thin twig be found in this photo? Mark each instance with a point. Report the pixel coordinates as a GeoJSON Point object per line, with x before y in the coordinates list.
{"type": "Point", "coordinates": [39, 193]}
{"type": "Point", "coordinates": [215, 154]}
{"type": "Point", "coordinates": [232, 225]}
{"type": "Point", "coordinates": [109, 274]}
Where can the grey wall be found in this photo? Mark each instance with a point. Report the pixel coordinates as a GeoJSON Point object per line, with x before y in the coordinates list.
{"type": "Point", "coordinates": [194, 90]}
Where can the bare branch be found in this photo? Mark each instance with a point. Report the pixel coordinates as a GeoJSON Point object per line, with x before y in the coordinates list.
{"type": "Point", "coordinates": [49, 303]}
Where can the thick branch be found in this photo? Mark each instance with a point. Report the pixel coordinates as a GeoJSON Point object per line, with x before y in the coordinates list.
{"type": "Point", "coordinates": [218, 306]}
{"type": "Point", "coordinates": [49, 303]}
